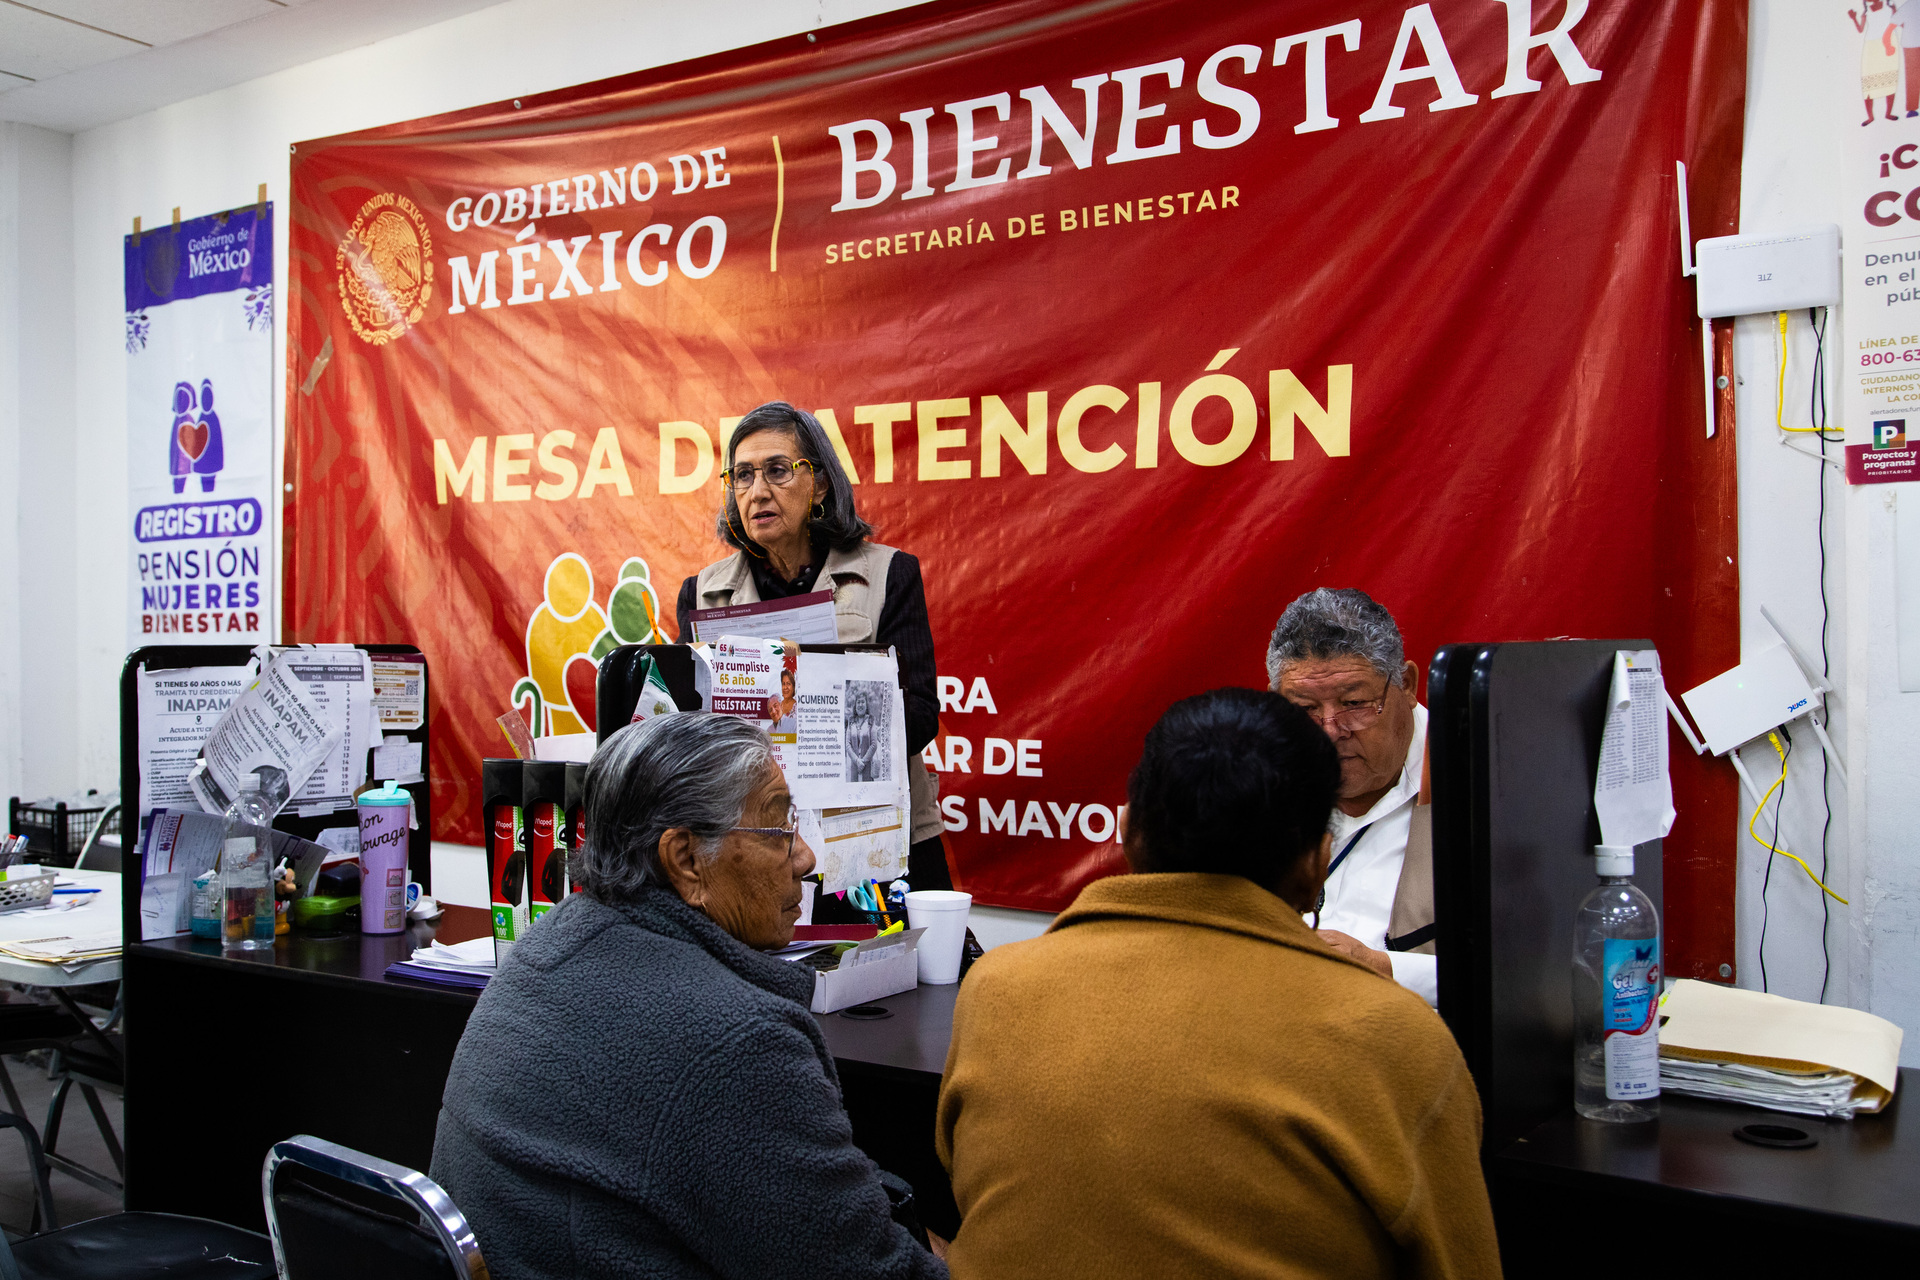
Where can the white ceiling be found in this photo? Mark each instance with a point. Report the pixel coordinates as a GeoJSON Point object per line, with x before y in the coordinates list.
{"type": "Point", "coordinates": [75, 64]}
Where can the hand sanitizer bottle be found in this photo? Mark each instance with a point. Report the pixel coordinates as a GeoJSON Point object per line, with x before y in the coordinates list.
{"type": "Point", "coordinates": [1616, 997]}
{"type": "Point", "coordinates": [246, 872]}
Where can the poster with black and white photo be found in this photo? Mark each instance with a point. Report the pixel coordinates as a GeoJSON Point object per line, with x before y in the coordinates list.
{"type": "Point", "coordinates": [851, 732]}
{"type": "Point", "coordinates": [836, 720]}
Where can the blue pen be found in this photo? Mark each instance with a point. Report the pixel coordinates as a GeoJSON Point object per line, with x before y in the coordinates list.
{"type": "Point", "coordinates": [76, 891]}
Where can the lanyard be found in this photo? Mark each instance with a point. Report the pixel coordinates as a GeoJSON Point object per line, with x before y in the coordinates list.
{"type": "Point", "coordinates": [1338, 858]}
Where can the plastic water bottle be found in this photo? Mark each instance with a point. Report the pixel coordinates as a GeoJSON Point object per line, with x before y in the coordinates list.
{"type": "Point", "coordinates": [246, 872]}
{"type": "Point", "coordinates": [1616, 997]}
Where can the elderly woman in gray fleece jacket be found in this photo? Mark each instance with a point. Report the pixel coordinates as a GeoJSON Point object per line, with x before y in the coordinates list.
{"type": "Point", "coordinates": [640, 1091]}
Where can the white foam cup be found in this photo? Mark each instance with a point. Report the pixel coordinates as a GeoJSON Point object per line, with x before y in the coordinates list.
{"type": "Point", "coordinates": [943, 914]}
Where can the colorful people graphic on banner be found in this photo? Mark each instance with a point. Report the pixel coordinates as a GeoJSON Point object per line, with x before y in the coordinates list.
{"type": "Point", "coordinates": [568, 634]}
{"type": "Point", "coordinates": [197, 447]}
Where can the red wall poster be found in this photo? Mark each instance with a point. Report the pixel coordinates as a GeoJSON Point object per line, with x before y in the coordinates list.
{"type": "Point", "coordinates": [1134, 320]}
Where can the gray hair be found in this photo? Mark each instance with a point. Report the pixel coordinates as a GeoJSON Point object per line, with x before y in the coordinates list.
{"type": "Point", "coordinates": [1337, 622]}
{"type": "Point", "coordinates": [693, 770]}
{"type": "Point", "coordinates": [838, 525]}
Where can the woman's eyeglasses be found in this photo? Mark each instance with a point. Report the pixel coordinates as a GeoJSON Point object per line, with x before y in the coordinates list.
{"type": "Point", "coordinates": [791, 830]}
{"type": "Point", "coordinates": [778, 472]}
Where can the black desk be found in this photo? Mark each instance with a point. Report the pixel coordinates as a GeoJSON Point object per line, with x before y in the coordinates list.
{"type": "Point", "coordinates": [363, 1060]}
{"type": "Point", "coordinates": [227, 1055]}
{"type": "Point", "coordinates": [1570, 1186]}
{"type": "Point", "coordinates": [890, 1080]}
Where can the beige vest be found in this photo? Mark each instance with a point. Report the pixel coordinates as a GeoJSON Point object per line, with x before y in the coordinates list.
{"type": "Point", "coordinates": [858, 580]}
{"type": "Point", "coordinates": [1412, 915]}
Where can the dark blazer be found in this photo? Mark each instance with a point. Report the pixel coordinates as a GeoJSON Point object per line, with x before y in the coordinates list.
{"type": "Point", "coordinates": [639, 1094]}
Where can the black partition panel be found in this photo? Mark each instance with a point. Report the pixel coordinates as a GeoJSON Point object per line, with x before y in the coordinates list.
{"type": "Point", "coordinates": [618, 688]}
{"type": "Point", "coordinates": [1515, 737]}
{"type": "Point", "coordinates": [178, 656]}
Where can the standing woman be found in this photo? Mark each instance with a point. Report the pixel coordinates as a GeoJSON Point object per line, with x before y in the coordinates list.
{"type": "Point", "coordinates": [787, 508]}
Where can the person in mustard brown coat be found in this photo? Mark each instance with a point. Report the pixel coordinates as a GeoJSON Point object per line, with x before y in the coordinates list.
{"type": "Point", "coordinates": [1181, 1079]}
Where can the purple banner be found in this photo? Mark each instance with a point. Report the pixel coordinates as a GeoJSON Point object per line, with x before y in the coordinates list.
{"type": "Point", "coordinates": [203, 255]}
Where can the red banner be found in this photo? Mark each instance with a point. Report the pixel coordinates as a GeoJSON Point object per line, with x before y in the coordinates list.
{"type": "Point", "coordinates": [1134, 320]}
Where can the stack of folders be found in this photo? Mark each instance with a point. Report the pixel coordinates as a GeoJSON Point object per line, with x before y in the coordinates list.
{"type": "Point", "coordinates": [1768, 1051]}
{"type": "Point", "coordinates": [463, 964]}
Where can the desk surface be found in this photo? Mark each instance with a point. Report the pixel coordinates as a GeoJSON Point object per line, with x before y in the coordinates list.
{"type": "Point", "coordinates": [347, 957]}
{"type": "Point", "coordinates": [1866, 1169]}
{"type": "Point", "coordinates": [100, 917]}
{"type": "Point", "coordinates": [913, 1040]}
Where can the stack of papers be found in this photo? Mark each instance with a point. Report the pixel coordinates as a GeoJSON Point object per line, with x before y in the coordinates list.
{"type": "Point", "coordinates": [1817, 1093]}
{"type": "Point", "coordinates": [1768, 1051]}
{"type": "Point", "coordinates": [462, 964]}
{"type": "Point", "coordinates": [69, 952]}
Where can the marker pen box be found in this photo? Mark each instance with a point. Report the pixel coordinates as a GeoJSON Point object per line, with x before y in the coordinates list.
{"type": "Point", "coordinates": [872, 970]}
{"type": "Point", "coordinates": [544, 803]}
{"type": "Point", "coordinates": [502, 818]}
{"type": "Point", "coordinates": [576, 818]}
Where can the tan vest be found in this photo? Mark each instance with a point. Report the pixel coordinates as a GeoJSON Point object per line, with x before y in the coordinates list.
{"type": "Point", "coordinates": [858, 580]}
{"type": "Point", "coordinates": [1412, 915]}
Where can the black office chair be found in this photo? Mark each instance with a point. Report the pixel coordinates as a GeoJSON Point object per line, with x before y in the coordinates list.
{"type": "Point", "coordinates": [94, 1059]}
{"type": "Point", "coordinates": [130, 1246]}
{"type": "Point", "coordinates": [333, 1211]}
{"type": "Point", "coordinates": [95, 855]}
{"type": "Point", "coordinates": [27, 1025]}
{"type": "Point", "coordinates": [140, 1246]}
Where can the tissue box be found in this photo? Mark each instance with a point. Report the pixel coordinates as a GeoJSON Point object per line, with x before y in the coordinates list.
{"type": "Point", "coordinates": [877, 968]}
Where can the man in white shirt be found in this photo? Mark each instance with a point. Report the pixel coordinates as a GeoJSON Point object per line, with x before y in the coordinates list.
{"type": "Point", "coordinates": [1338, 655]}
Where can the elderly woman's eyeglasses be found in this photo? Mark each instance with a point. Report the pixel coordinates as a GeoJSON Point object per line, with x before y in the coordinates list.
{"type": "Point", "coordinates": [778, 472]}
{"type": "Point", "coordinates": [1349, 719]}
{"type": "Point", "coordinates": [791, 830]}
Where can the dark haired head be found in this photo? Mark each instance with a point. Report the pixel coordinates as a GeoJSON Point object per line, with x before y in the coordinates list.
{"type": "Point", "coordinates": [838, 526]}
{"type": "Point", "coordinates": [1237, 782]}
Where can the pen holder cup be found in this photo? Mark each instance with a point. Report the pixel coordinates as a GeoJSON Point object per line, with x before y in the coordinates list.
{"type": "Point", "coordinates": [943, 914]}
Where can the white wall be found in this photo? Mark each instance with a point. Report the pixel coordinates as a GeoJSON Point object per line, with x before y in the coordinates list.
{"type": "Point", "coordinates": [39, 482]}
{"type": "Point", "coordinates": [210, 152]}
{"type": "Point", "coordinates": [1803, 95]}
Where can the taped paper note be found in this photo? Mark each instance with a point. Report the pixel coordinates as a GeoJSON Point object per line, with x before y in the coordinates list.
{"type": "Point", "coordinates": [177, 710]}
{"type": "Point", "coordinates": [1632, 793]}
{"type": "Point", "coordinates": [276, 730]}
{"type": "Point", "coordinates": [341, 686]}
{"type": "Point", "coordinates": [399, 690]}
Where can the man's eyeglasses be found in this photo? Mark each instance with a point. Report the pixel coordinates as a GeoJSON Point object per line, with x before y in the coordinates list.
{"type": "Point", "coordinates": [791, 830]}
{"type": "Point", "coordinates": [778, 472]}
{"type": "Point", "coordinates": [1349, 719]}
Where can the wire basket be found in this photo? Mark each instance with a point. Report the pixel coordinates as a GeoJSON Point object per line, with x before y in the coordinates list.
{"type": "Point", "coordinates": [27, 891]}
{"type": "Point", "coordinates": [55, 833]}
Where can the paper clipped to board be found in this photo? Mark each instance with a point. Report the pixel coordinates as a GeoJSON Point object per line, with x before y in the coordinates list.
{"type": "Point", "coordinates": [837, 724]}
{"type": "Point", "coordinates": [806, 619]}
{"type": "Point", "coordinates": [1710, 1023]}
{"type": "Point", "coordinates": [1631, 791]}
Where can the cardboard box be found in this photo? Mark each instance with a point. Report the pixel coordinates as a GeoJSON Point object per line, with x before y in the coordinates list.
{"type": "Point", "coordinates": [877, 968]}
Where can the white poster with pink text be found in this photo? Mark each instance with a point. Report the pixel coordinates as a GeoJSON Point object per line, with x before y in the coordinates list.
{"type": "Point", "coordinates": [200, 431]}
